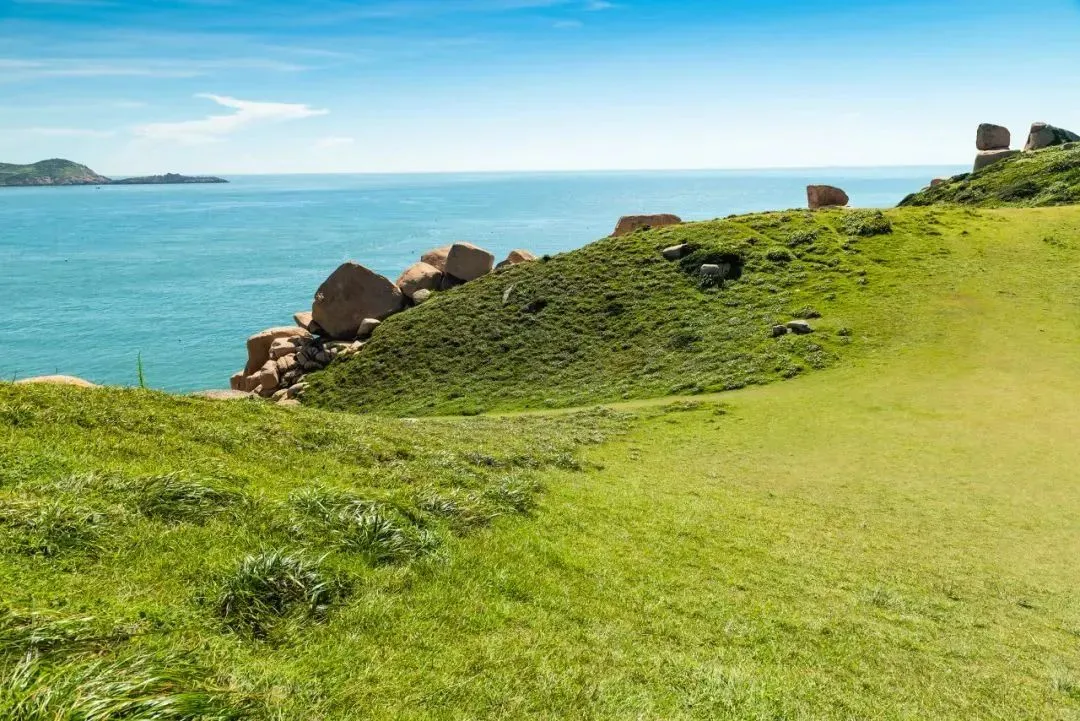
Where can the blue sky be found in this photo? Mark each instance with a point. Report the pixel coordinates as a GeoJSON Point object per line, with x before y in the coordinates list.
{"type": "Point", "coordinates": [272, 86]}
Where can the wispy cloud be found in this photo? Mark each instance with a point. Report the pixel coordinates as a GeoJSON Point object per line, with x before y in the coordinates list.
{"type": "Point", "coordinates": [334, 142]}
{"type": "Point", "coordinates": [216, 127]}
{"type": "Point", "coordinates": [18, 69]}
{"type": "Point", "coordinates": [67, 132]}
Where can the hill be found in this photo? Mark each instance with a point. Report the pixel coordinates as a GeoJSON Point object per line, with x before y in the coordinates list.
{"type": "Point", "coordinates": [1041, 178]}
{"type": "Point", "coordinates": [891, 537]}
{"type": "Point", "coordinates": [49, 172]}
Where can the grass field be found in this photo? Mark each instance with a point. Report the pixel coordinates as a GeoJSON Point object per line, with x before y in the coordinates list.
{"type": "Point", "coordinates": [891, 537]}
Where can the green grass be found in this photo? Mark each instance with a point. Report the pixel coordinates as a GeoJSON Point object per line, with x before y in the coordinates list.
{"type": "Point", "coordinates": [1046, 177]}
{"type": "Point", "coordinates": [892, 536]}
{"type": "Point", "coordinates": [56, 171]}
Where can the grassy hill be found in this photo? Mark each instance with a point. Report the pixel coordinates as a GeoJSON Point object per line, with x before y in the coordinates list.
{"type": "Point", "coordinates": [49, 172]}
{"type": "Point", "coordinates": [890, 537]}
{"type": "Point", "coordinates": [1043, 178]}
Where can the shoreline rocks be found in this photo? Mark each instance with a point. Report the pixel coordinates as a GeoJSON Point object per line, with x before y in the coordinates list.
{"type": "Point", "coordinates": [351, 294]}
{"type": "Point", "coordinates": [466, 262]}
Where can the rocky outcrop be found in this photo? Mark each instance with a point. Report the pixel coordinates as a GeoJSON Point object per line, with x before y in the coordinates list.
{"type": "Point", "coordinates": [516, 257]}
{"type": "Point", "coordinates": [992, 137]}
{"type": "Point", "coordinates": [1044, 135]}
{"type": "Point", "coordinates": [57, 381]}
{"type": "Point", "coordinates": [437, 257]}
{"type": "Point", "coordinates": [633, 223]}
{"type": "Point", "coordinates": [351, 294]}
{"type": "Point", "coordinates": [419, 276]}
{"type": "Point", "coordinates": [258, 345]}
{"type": "Point", "coordinates": [988, 157]}
{"type": "Point", "coordinates": [825, 196]}
{"type": "Point", "coordinates": [468, 262]}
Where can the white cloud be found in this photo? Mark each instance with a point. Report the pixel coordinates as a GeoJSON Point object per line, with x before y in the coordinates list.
{"type": "Point", "coordinates": [216, 127]}
{"type": "Point", "coordinates": [333, 141]}
{"type": "Point", "coordinates": [68, 132]}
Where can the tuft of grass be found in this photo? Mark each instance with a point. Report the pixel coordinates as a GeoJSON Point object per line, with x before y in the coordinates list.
{"type": "Point", "coordinates": [50, 527]}
{"type": "Point", "coordinates": [174, 498]}
{"type": "Point", "coordinates": [42, 633]}
{"type": "Point", "coordinates": [266, 587]}
{"type": "Point", "coordinates": [865, 223]}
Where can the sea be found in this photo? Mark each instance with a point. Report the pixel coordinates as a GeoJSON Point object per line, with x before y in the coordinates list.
{"type": "Point", "coordinates": [96, 282]}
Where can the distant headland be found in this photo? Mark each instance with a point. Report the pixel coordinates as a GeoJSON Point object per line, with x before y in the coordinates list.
{"type": "Point", "coordinates": [65, 172]}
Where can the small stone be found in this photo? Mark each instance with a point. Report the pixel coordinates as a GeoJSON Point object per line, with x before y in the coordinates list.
{"type": "Point", "coordinates": [258, 345]}
{"type": "Point", "coordinates": [422, 296]}
{"type": "Point", "coordinates": [368, 326]}
{"type": "Point", "coordinates": [779, 330]}
{"type": "Point", "coordinates": [297, 390]}
{"type": "Point", "coordinates": [419, 276]}
{"type": "Point", "coordinates": [279, 395]}
{"type": "Point", "coordinates": [508, 294]}
{"type": "Point", "coordinates": [799, 327]}
{"type": "Point", "coordinates": [676, 252]}
{"type": "Point", "coordinates": [516, 257]}
{"type": "Point", "coordinates": [713, 270]}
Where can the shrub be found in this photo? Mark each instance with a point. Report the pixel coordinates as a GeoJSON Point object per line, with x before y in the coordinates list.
{"type": "Point", "coordinates": [779, 255]}
{"type": "Point", "coordinates": [802, 237]}
{"type": "Point", "coordinates": [866, 223]}
{"type": "Point", "coordinates": [806, 313]}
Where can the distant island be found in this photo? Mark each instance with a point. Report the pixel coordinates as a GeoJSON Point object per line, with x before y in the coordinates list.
{"type": "Point", "coordinates": [65, 172]}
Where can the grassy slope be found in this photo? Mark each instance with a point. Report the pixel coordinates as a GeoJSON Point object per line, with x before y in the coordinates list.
{"type": "Point", "coordinates": [60, 171]}
{"type": "Point", "coordinates": [893, 537]}
{"type": "Point", "coordinates": [620, 322]}
{"type": "Point", "coordinates": [1043, 178]}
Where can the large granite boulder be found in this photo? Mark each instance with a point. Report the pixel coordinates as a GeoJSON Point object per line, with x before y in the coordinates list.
{"type": "Point", "coordinates": [351, 294]}
{"type": "Point", "coordinates": [419, 276]}
{"type": "Point", "coordinates": [258, 345]}
{"type": "Point", "coordinates": [632, 223]}
{"type": "Point", "coordinates": [1043, 135]}
{"type": "Point", "coordinates": [825, 196]}
{"type": "Point", "coordinates": [516, 257]}
{"type": "Point", "coordinates": [56, 381]}
{"type": "Point", "coordinates": [437, 257]}
{"type": "Point", "coordinates": [989, 157]}
{"type": "Point", "coordinates": [468, 262]}
{"type": "Point", "coordinates": [992, 137]}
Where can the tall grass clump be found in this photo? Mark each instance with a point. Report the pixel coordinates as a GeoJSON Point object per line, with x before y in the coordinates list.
{"type": "Point", "coordinates": [866, 223]}
{"type": "Point", "coordinates": [177, 499]}
{"type": "Point", "coordinates": [267, 587]}
{"type": "Point", "coordinates": [51, 527]}
{"type": "Point", "coordinates": [39, 633]}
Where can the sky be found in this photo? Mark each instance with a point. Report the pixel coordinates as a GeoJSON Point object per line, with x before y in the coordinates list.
{"type": "Point", "coordinates": [287, 86]}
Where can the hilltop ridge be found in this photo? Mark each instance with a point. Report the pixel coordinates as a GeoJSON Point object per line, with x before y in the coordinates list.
{"type": "Point", "coordinates": [58, 171]}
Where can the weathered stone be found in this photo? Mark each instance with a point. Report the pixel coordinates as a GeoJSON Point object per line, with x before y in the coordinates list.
{"type": "Point", "coordinates": [468, 262]}
{"type": "Point", "coordinates": [238, 381]}
{"type": "Point", "coordinates": [448, 282]}
{"type": "Point", "coordinates": [286, 364]}
{"type": "Point", "coordinates": [289, 403]}
{"type": "Point", "coordinates": [370, 324]}
{"type": "Point", "coordinates": [297, 390]}
{"type": "Point", "coordinates": [279, 395]}
{"type": "Point", "coordinates": [422, 296]}
{"type": "Point", "coordinates": [712, 270]}
{"type": "Point", "coordinates": [508, 294]}
{"type": "Point", "coordinates": [436, 257]}
{"type": "Point", "coordinates": [303, 319]}
{"type": "Point", "coordinates": [351, 294]}
{"type": "Point", "coordinates": [282, 347]}
{"type": "Point", "coordinates": [233, 395]}
{"type": "Point", "coordinates": [258, 345]}
{"type": "Point", "coordinates": [825, 196]}
{"type": "Point", "coordinates": [992, 137]}
{"type": "Point", "coordinates": [516, 257]}
{"type": "Point", "coordinates": [938, 181]}
{"type": "Point", "coordinates": [632, 223]}
{"type": "Point", "coordinates": [267, 378]}
{"type": "Point", "coordinates": [419, 276]}
{"type": "Point", "coordinates": [1044, 135]}
{"type": "Point", "coordinates": [676, 252]}
{"type": "Point", "coordinates": [779, 330]}
{"type": "Point", "coordinates": [799, 327]}
{"type": "Point", "coordinates": [989, 157]}
{"type": "Point", "coordinates": [56, 381]}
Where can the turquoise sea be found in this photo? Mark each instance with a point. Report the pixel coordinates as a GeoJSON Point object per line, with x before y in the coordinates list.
{"type": "Point", "coordinates": [92, 278]}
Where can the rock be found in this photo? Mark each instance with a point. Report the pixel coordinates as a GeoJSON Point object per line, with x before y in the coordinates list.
{"type": "Point", "coordinates": [989, 157]}
{"type": "Point", "coordinates": [303, 319]}
{"type": "Point", "coordinates": [267, 378]}
{"type": "Point", "coordinates": [233, 395]}
{"type": "Point", "coordinates": [437, 257]}
{"type": "Point", "coordinates": [422, 296]}
{"type": "Point", "coordinates": [779, 330]}
{"type": "Point", "coordinates": [297, 390]}
{"type": "Point", "coordinates": [419, 276]}
{"type": "Point", "coordinates": [448, 282]}
{"type": "Point", "coordinates": [56, 381]}
{"type": "Point", "coordinates": [282, 347]}
{"type": "Point", "coordinates": [285, 364]}
{"type": "Point", "coordinates": [799, 327]}
{"type": "Point", "coordinates": [508, 294]}
{"type": "Point", "coordinates": [711, 270]}
{"type": "Point", "coordinates": [258, 345]}
{"type": "Point", "coordinates": [992, 137]}
{"type": "Point", "coordinates": [280, 395]}
{"type": "Point", "coordinates": [238, 381]}
{"type": "Point", "coordinates": [632, 223]}
{"type": "Point", "coordinates": [1043, 135]}
{"type": "Point", "coordinates": [516, 257]}
{"type": "Point", "coordinates": [351, 294]}
{"type": "Point", "coordinates": [468, 262]}
{"type": "Point", "coordinates": [825, 196]}
{"type": "Point", "coordinates": [289, 403]}
{"type": "Point", "coordinates": [676, 252]}
{"type": "Point", "coordinates": [938, 181]}
{"type": "Point", "coordinates": [368, 326]}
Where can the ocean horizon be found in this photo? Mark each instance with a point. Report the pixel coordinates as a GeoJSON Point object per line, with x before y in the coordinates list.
{"type": "Point", "coordinates": [180, 275]}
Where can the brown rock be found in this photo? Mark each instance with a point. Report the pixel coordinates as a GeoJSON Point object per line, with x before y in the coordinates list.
{"type": "Point", "coordinates": [419, 276]}
{"type": "Point", "coordinates": [1044, 135]}
{"type": "Point", "coordinates": [938, 181]}
{"type": "Point", "coordinates": [468, 262]}
{"type": "Point", "coordinates": [258, 345]}
{"type": "Point", "coordinates": [285, 364]}
{"type": "Point", "coordinates": [632, 223]}
{"type": "Point", "coordinates": [282, 347]}
{"type": "Point", "coordinates": [289, 403]}
{"type": "Point", "coordinates": [368, 326]}
{"type": "Point", "coordinates": [992, 137]}
{"type": "Point", "coordinates": [825, 196]}
{"type": "Point", "coordinates": [351, 294]}
{"type": "Point", "coordinates": [516, 257]}
{"type": "Point", "coordinates": [437, 257]}
{"type": "Point", "coordinates": [989, 157]}
{"type": "Point", "coordinates": [303, 319]}
{"type": "Point", "coordinates": [422, 296]}
{"type": "Point", "coordinates": [57, 381]}
{"type": "Point", "coordinates": [267, 378]}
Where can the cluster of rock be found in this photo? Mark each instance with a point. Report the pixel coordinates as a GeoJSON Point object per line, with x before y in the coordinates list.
{"type": "Point", "coordinates": [348, 307]}
{"type": "Point", "coordinates": [993, 142]}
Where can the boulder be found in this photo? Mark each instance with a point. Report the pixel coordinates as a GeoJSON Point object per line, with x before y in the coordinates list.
{"type": "Point", "coordinates": [799, 327]}
{"type": "Point", "coordinates": [351, 294]}
{"type": "Point", "coordinates": [282, 347]}
{"type": "Point", "coordinates": [778, 331]}
{"type": "Point", "coordinates": [825, 196]}
{"type": "Point", "coordinates": [676, 252]}
{"type": "Point", "coordinates": [448, 282]}
{"type": "Point", "coordinates": [419, 276]}
{"type": "Point", "coordinates": [303, 319]}
{"type": "Point", "coordinates": [989, 157]}
{"type": "Point", "coordinates": [515, 258]}
{"type": "Point", "coordinates": [258, 345]}
{"type": "Point", "coordinates": [422, 296]}
{"type": "Point", "coordinates": [56, 381]}
{"type": "Point", "coordinates": [938, 181]}
{"type": "Point", "coordinates": [468, 262]}
{"type": "Point", "coordinates": [285, 364]}
{"type": "Point", "coordinates": [712, 270]}
{"type": "Point", "coordinates": [437, 257]}
{"type": "Point", "coordinates": [233, 395]}
{"type": "Point", "coordinates": [266, 378]}
{"type": "Point", "coordinates": [992, 137]}
{"type": "Point", "coordinates": [632, 223]}
{"type": "Point", "coordinates": [1044, 135]}
{"type": "Point", "coordinates": [368, 326]}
